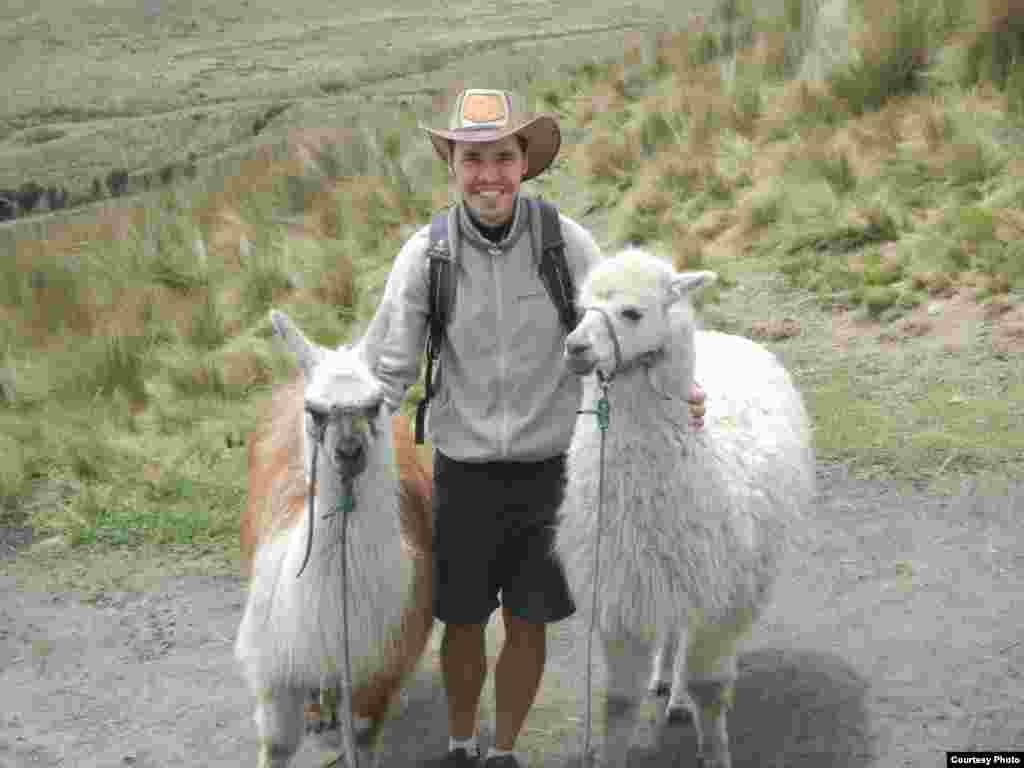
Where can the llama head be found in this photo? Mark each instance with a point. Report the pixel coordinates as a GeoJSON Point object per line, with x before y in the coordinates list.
{"type": "Point", "coordinates": [625, 303]}
{"type": "Point", "coordinates": [342, 399]}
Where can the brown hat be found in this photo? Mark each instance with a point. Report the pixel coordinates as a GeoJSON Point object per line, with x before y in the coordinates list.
{"type": "Point", "coordinates": [483, 115]}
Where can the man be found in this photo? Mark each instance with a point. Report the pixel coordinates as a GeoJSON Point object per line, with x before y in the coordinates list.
{"type": "Point", "coordinates": [503, 415]}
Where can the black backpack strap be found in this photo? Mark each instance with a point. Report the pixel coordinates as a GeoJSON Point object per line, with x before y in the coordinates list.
{"type": "Point", "coordinates": [440, 294]}
{"type": "Point", "coordinates": [554, 268]}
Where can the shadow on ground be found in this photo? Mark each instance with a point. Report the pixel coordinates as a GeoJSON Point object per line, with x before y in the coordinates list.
{"type": "Point", "coordinates": [793, 708]}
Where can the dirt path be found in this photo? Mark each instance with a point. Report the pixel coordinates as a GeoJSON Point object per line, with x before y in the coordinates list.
{"type": "Point", "coordinates": [894, 635]}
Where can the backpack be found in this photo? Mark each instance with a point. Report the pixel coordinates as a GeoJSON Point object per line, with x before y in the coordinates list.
{"type": "Point", "coordinates": [553, 270]}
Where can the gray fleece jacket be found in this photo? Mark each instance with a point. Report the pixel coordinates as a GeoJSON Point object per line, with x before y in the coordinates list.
{"type": "Point", "coordinates": [502, 391]}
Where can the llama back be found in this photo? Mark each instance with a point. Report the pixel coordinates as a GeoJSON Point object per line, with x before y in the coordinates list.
{"type": "Point", "coordinates": [756, 419]}
{"type": "Point", "coordinates": [415, 490]}
{"type": "Point", "coordinates": [277, 492]}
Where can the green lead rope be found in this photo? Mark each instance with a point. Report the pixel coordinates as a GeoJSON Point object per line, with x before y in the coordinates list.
{"type": "Point", "coordinates": [603, 412]}
{"type": "Point", "coordinates": [345, 505]}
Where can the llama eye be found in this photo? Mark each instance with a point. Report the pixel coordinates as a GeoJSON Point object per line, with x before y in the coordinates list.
{"type": "Point", "coordinates": [633, 315]}
{"type": "Point", "coordinates": [373, 412]}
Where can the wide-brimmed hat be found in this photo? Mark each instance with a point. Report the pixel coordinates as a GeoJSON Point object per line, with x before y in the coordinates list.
{"type": "Point", "coordinates": [481, 115]}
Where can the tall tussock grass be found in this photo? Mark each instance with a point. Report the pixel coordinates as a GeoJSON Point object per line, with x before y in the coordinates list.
{"type": "Point", "coordinates": [877, 186]}
{"type": "Point", "coordinates": [155, 323]}
{"type": "Point", "coordinates": [894, 47]}
{"type": "Point", "coordinates": [996, 48]}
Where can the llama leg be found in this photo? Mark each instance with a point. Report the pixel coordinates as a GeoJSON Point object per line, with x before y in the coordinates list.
{"type": "Point", "coordinates": [661, 668]}
{"type": "Point", "coordinates": [680, 707]}
{"type": "Point", "coordinates": [321, 711]}
{"type": "Point", "coordinates": [713, 699]}
{"type": "Point", "coordinates": [627, 657]}
{"type": "Point", "coordinates": [370, 707]}
{"type": "Point", "coordinates": [313, 712]}
{"type": "Point", "coordinates": [711, 683]}
{"type": "Point", "coordinates": [279, 723]}
{"type": "Point", "coordinates": [322, 715]}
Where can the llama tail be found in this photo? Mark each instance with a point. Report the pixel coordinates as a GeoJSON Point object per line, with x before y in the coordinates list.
{"type": "Point", "coordinates": [415, 488]}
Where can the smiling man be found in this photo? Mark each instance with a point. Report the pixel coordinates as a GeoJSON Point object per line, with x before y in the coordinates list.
{"type": "Point", "coordinates": [503, 415]}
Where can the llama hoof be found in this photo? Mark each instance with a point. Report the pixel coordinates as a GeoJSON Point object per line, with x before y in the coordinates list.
{"type": "Point", "coordinates": [329, 739]}
{"type": "Point", "coordinates": [317, 725]}
{"type": "Point", "coordinates": [678, 715]}
{"type": "Point", "coordinates": [366, 733]}
{"type": "Point", "coordinates": [368, 758]}
{"type": "Point", "coordinates": [325, 736]}
{"type": "Point", "coordinates": [660, 689]}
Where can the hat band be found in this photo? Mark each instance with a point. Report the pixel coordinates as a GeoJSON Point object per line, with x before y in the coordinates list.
{"type": "Point", "coordinates": [487, 127]}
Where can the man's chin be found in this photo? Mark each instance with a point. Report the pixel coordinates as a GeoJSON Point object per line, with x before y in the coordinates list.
{"type": "Point", "coordinates": [490, 206]}
{"type": "Point", "coordinates": [492, 214]}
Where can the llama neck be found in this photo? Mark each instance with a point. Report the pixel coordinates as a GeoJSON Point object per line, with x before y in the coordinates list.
{"type": "Point", "coordinates": [665, 384]}
{"type": "Point", "coordinates": [371, 527]}
{"type": "Point", "coordinates": [307, 614]}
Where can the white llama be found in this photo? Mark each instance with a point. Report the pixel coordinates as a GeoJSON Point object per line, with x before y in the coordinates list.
{"type": "Point", "coordinates": [290, 641]}
{"type": "Point", "coordinates": [694, 523]}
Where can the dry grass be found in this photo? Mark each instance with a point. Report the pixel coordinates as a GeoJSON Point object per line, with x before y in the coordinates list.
{"type": "Point", "coordinates": [686, 248]}
{"type": "Point", "coordinates": [603, 99]}
{"type": "Point", "coordinates": [768, 52]}
{"type": "Point", "coordinates": [244, 369]}
{"type": "Point", "coordinates": [225, 232]}
{"type": "Point", "coordinates": [643, 211]}
{"type": "Point", "coordinates": [799, 103]}
{"type": "Point", "coordinates": [927, 124]}
{"type": "Point", "coordinates": [672, 50]}
{"type": "Point", "coordinates": [993, 15]}
{"type": "Point", "coordinates": [607, 156]}
{"type": "Point", "coordinates": [996, 45]}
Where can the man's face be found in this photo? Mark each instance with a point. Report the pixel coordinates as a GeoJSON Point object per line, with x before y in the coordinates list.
{"type": "Point", "coordinates": [488, 176]}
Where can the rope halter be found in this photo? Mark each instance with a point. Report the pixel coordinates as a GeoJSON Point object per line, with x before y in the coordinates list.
{"type": "Point", "coordinates": [347, 502]}
{"type": "Point", "coordinates": [647, 359]}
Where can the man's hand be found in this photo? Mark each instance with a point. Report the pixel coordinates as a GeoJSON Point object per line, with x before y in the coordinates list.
{"type": "Point", "coordinates": [697, 409]}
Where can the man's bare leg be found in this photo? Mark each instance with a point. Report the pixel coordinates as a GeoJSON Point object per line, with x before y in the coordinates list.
{"type": "Point", "coordinates": [463, 668]}
{"type": "Point", "coordinates": [517, 676]}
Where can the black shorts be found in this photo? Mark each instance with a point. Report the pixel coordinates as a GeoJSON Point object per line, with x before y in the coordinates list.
{"type": "Point", "coordinates": [494, 531]}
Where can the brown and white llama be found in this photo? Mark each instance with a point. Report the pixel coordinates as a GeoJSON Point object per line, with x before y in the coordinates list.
{"type": "Point", "coordinates": [290, 640]}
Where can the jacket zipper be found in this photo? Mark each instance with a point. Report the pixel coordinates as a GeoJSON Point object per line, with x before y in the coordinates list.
{"type": "Point", "coordinates": [503, 434]}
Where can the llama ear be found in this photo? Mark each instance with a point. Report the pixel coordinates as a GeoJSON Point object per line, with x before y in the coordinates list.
{"type": "Point", "coordinates": [685, 283]}
{"type": "Point", "coordinates": [306, 354]}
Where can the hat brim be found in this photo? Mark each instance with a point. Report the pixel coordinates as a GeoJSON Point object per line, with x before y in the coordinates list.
{"type": "Point", "coordinates": [543, 140]}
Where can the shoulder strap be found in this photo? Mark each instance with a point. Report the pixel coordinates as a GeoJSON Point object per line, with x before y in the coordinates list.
{"type": "Point", "coordinates": [554, 273]}
{"type": "Point", "coordinates": [553, 267]}
{"type": "Point", "coordinates": [440, 295]}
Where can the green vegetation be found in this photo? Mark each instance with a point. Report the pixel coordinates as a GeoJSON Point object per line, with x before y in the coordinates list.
{"type": "Point", "coordinates": [139, 362]}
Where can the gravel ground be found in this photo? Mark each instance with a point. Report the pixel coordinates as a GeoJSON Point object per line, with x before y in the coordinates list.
{"type": "Point", "coordinates": [895, 635]}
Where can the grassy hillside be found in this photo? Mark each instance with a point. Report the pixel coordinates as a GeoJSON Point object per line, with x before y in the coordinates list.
{"type": "Point", "coordinates": [872, 204]}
